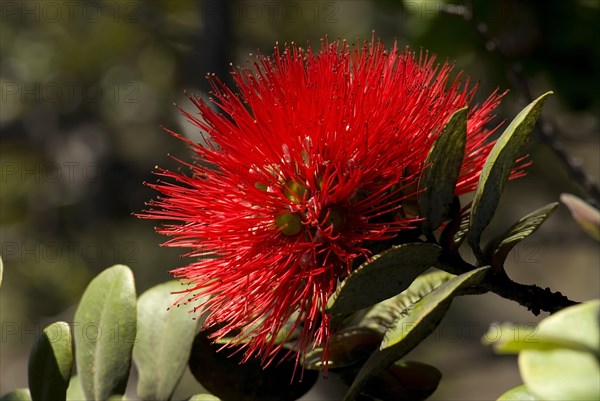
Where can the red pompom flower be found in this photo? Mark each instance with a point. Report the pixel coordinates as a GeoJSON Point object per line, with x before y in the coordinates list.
{"type": "Point", "coordinates": [305, 167]}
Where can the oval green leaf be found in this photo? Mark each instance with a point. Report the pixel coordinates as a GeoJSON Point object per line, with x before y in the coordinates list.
{"type": "Point", "coordinates": [561, 374]}
{"type": "Point", "coordinates": [577, 326]}
{"type": "Point", "coordinates": [519, 393]}
{"type": "Point", "coordinates": [356, 340]}
{"type": "Point", "coordinates": [382, 316]}
{"type": "Point", "coordinates": [510, 338]}
{"type": "Point", "coordinates": [443, 169]}
{"type": "Point", "coordinates": [20, 394]}
{"type": "Point", "coordinates": [163, 342]}
{"type": "Point", "coordinates": [497, 169]}
{"type": "Point", "coordinates": [105, 330]}
{"type": "Point", "coordinates": [203, 397]}
{"type": "Point", "coordinates": [572, 372]}
{"type": "Point", "coordinates": [75, 391]}
{"type": "Point", "coordinates": [412, 328]}
{"type": "Point", "coordinates": [519, 231]}
{"type": "Point", "coordinates": [386, 275]}
{"type": "Point", "coordinates": [426, 313]}
{"type": "Point", "coordinates": [50, 363]}
{"type": "Point", "coordinates": [223, 374]}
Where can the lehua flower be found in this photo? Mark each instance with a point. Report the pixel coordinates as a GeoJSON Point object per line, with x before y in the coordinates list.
{"type": "Point", "coordinates": [305, 166]}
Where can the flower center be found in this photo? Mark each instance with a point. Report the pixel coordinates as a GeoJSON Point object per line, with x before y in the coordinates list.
{"type": "Point", "coordinates": [294, 219]}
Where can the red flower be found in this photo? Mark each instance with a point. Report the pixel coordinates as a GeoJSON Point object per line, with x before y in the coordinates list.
{"type": "Point", "coordinates": [305, 167]}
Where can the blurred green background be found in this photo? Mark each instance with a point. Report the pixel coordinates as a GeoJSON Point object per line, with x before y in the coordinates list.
{"type": "Point", "coordinates": [85, 87]}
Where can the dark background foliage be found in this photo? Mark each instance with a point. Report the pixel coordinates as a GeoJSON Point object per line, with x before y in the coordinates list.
{"type": "Point", "coordinates": [86, 86]}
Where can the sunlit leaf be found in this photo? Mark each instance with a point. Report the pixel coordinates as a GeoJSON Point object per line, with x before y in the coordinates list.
{"type": "Point", "coordinates": [443, 169]}
{"type": "Point", "coordinates": [105, 330]}
{"type": "Point", "coordinates": [411, 328]}
{"type": "Point", "coordinates": [355, 341]}
{"type": "Point", "coordinates": [561, 374]}
{"type": "Point", "coordinates": [203, 397]}
{"type": "Point", "coordinates": [519, 231]}
{"type": "Point", "coordinates": [510, 338]}
{"type": "Point", "coordinates": [498, 166]}
{"type": "Point", "coordinates": [386, 275]}
{"type": "Point", "coordinates": [75, 391]}
{"type": "Point", "coordinates": [578, 324]}
{"type": "Point", "coordinates": [429, 310]}
{"type": "Point", "coordinates": [20, 394]}
{"type": "Point", "coordinates": [560, 358]}
{"type": "Point", "coordinates": [163, 342]}
{"type": "Point", "coordinates": [573, 328]}
{"type": "Point", "coordinates": [50, 363]}
{"type": "Point", "coordinates": [382, 316]}
{"type": "Point", "coordinates": [519, 393]}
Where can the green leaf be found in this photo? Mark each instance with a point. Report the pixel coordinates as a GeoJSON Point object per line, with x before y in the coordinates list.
{"type": "Point", "coordinates": [519, 231]}
{"type": "Point", "coordinates": [383, 315]}
{"type": "Point", "coordinates": [75, 390]}
{"type": "Point", "coordinates": [105, 330]}
{"type": "Point", "coordinates": [411, 328]}
{"type": "Point", "coordinates": [430, 308]}
{"type": "Point", "coordinates": [572, 372]}
{"type": "Point", "coordinates": [443, 169]}
{"type": "Point", "coordinates": [519, 393]}
{"type": "Point", "coordinates": [510, 338]}
{"type": "Point", "coordinates": [163, 342]}
{"type": "Point", "coordinates": [203, 397]}
{"type": "Point", "coordinates": [346, 347]}
{"type": "Point", "coordinates": [497, 169]}
{"type": "Point", "coordinates": [20, 394]}
{"type": "Point", "coordinates": [386, 275]}
{"type": "Point", "coordinates": [50, 363]}
{"type": "Point", "coordinates": [578, 324]}
{"type": "Point", "coordinates": [359, 338]}
{"type": "Point", "coordinates": [404, 381]}
{"type": "Point", "coordinates": [561, 374]}
{"type": "Point", "coordinates": [224, 375]}
{"type": "Point", "coordinates": [565, 329]}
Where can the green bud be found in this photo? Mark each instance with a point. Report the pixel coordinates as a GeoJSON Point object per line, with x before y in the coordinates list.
{"type": "Point", "coordinates": [289, 224]}
{"type": "Point", "coordinates": [295, 191]}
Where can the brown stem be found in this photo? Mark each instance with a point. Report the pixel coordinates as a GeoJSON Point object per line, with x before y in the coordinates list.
{"type": "Point", "coordinates": [533, 297]}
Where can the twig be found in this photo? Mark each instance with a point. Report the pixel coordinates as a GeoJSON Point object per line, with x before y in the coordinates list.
{"type": "Point", "coordinates": [544, 129]}
{"type": "Point", "coordinates": [533, 297]}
